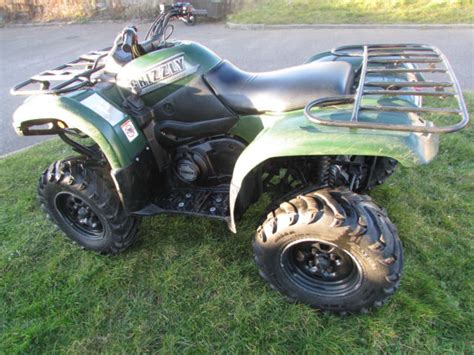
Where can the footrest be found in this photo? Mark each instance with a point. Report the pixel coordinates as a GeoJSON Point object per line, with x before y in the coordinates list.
{"type": "Point", "coordinates": [208, 203]}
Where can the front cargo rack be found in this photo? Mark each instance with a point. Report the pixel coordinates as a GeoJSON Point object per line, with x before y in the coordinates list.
{"type": "Point", "coordinates": [413, 60]}
{"type": "Point", "coordinates": [66, 78]}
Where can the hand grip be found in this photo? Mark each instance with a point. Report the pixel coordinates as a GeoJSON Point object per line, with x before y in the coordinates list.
{"type": "Point", "coordinates": [128, 38]}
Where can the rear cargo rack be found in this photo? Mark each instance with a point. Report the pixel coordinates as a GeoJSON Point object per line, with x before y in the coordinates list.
{"type": "Point", "coordinates": [66, 78]}
{"type": "Point", "coordinates": [388, 59]}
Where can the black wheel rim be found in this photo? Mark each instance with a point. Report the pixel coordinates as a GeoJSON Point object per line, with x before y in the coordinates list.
{"type": "Point", "coordinates": [79, 215]}
{"type": "Point", "coordinates": [321, 267]}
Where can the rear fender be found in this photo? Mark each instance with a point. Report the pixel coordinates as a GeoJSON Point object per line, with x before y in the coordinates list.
{"type": "Point", "coordinates": [291, 134]}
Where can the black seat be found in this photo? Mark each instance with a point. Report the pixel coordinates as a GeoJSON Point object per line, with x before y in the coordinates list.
{"type": "Point", "coordinates": [280, 90]}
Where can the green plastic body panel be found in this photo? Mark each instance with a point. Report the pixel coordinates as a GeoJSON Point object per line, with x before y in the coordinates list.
{"type": "Point", "coordinates": [291, 134]}
{"type": "Point", "coordinates": [113, 142]}
{"type": "Point", "coordinates": [117, 148]}
{"type": "Point", "coordinates": [195, 55]}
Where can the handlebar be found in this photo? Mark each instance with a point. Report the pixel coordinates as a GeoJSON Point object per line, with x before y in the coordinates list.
{"type": "Point", "coordinates": [155, 32]}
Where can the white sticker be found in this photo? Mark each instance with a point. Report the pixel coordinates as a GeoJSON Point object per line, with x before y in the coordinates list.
{"type": "Point", "coordinates": [129, 129]}
{"type": "Point", "coordinates": [108, 112]}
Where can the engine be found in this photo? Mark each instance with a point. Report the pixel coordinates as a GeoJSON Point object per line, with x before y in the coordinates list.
{"type": "Point", "coordinates": [208, 162]}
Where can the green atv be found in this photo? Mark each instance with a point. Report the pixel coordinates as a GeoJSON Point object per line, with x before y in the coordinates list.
{"type": "Point", "coordinates": [169, 127]}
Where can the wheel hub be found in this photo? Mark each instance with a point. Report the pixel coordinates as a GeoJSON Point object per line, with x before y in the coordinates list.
{"type": "Point", "coordinates": [79, 215]}
{"type": "Point", "coordinates": [322, 260]}
{"type": "Point", "coordinates": [320, 266]}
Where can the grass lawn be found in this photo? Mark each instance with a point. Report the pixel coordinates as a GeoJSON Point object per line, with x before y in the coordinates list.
{"type": "Point", "coordinates": [355, 11]}
{"type": "Point", "coordinates": [190, 285]}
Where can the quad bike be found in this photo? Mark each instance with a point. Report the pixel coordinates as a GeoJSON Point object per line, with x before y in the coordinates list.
{"type": "Point", "coordinates": [168, 127]}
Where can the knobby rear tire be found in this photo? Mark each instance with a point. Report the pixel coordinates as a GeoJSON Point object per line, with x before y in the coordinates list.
{"type": "Point", "coordinates": [336, 217]}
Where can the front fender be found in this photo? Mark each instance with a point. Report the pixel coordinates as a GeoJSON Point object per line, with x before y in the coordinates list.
{"type": "Point", "coordinates": [291, 134]}
{"type": "Point", "coordinates": [107, 133]}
